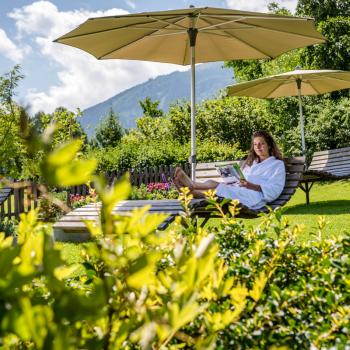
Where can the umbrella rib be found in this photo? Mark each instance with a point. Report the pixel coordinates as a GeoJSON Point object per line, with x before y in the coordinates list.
{"type": "Point", "coordinates": [138, 39]}
{"type": "Point", "coordinates": [133, 42]}
{"type": "Point", "coordinates": [243, 41]}
{"type": "Point", "coordinates": [221, 24]}
{"type": "Point", "coordinates": [166, 34]}
{"type": "Point", "coordinates": [256, 26]}
{"type": "Point", "coordinates": [279, 84]}
{"type": "Point", "coordinates": [318, 92]}
{"type": "Point", "coordinates": [243, 18]}
{"type": "Point", "coordinates": [121, 47]}
{"type": "Point", "coordinates": [172, 24]}
{"type": "Point", "coordinates": [129, 26]}
{"type": "Point", "coordinates": [267, 29]}
{"type": "Point", "coordinates": [329, 78]}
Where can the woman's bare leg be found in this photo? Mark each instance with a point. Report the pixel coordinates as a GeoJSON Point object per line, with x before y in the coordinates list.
{"type": "Point", "coordinates": [206, 185]}
{"type": "Point", "coordinates": [198, 194]}
{"type": "Point", "coordinates": [181, 179]}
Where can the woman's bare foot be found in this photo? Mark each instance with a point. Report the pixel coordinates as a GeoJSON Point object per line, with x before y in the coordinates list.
{"type": "Point", "coordinates": [177, 184]}
{"type": "Point", "coordinates": [184, 180]}
{"type": "Point", "coordinates": [177, 171]}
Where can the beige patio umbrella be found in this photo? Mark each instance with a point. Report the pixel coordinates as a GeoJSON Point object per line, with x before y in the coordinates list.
{"type": "Point", "coordinates": [190, 36]}
{"type": "Point", "coordinates": [295, 83]}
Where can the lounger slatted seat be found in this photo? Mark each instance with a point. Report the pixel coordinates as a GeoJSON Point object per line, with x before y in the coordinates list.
{"type": "Point", "coordinates": [326, 165]}
{"type": "Point", "coordinates": [72, 228]}
{"type": "Point", "coordinates": [294, 171]}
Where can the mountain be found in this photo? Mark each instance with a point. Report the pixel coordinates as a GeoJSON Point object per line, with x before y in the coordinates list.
{"type": "Point", "coordinates": [210, 79]}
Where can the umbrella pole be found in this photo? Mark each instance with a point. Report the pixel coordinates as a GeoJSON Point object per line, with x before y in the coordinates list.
{"type": "Point", "coordinates": [192, 33]}
{"type": "Point", "coordinates": [301, 119]}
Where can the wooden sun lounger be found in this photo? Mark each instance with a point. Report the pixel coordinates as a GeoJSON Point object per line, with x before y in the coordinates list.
{"type": "Point", "coordinates": [5, 192]}
{"type": "Point", "coordinates": [72, 228]}
{"type": "Point", "coordinates": [294, 171]}
{"type": "Point", "coordinates": [326, 165]}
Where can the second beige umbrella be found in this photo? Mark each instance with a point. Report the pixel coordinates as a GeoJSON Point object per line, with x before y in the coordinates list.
{"type": "Point", "coordinates": [190, 36]}
{"type": "Point", "coordinates": [295, 83]}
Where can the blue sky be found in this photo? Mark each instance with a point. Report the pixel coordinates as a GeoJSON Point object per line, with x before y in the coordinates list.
{"type": "Point", "coordinates": [58, 75]}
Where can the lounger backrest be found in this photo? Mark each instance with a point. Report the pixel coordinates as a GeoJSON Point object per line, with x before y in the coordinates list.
{"type": "Point", "coordinates": [333, 164]}
{"type": "Point", "coordinates": [294, 172]}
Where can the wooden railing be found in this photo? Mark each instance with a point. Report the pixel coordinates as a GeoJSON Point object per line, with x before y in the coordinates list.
{"type": "Point", "coordinates": [14, 201]}
{"type": "Point", "coordinates": [145, 176]}
{"type": "Point", "coordinates": [17, 200]}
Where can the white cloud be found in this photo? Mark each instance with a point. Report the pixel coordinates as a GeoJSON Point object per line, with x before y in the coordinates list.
{"type": "Point", "coordinates": [9, 49]}
{"type": "Point", "coordinates": [259, 5]}
{"type": "Point", "coordinates": [82, 80]}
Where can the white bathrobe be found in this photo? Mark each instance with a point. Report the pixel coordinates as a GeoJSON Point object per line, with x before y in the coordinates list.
{"type": "Point", "coordinates": [270, 174]}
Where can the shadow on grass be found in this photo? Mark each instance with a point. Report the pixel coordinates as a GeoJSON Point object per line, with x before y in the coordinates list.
{"type": "Point", "coordinates": [337, 207]}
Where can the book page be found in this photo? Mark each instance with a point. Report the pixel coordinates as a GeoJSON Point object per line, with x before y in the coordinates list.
{"type": "Point", "coordinates": [228, 173]}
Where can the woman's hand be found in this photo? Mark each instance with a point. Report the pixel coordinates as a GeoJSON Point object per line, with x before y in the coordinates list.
{"type": "Point", "coordinates": [249, 185]}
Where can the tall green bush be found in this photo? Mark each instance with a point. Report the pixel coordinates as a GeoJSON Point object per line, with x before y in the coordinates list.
{"type": "Point", "coordinates": [230, 120]}
{"type": "Point", "coordinates": [149, 153]}
{"type": "Point", "coordinates": [329, 124]}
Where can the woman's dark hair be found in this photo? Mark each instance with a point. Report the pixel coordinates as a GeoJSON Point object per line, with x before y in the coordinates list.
{"type": "Point", "coordinates": [273, 148]}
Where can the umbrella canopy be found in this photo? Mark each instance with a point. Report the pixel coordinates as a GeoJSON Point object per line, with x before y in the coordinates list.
{"type": "Point", "coordinates": [295, 83]}
{"type": "Point", "coordinates": [190, 36]}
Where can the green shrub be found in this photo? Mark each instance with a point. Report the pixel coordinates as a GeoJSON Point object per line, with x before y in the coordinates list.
{"type": "Point", "coordinates": [7, 226]}
{"type": "Point", "coordinates": [232, 286]}
{"type": "Point", "coordinates": [230, 120]}
{"type": "Point", "coordinates": [48, 211]}
{"type": "Point", "coordinates": [136, 154]}
{"type": "Point", "coordinates": [329, 124]}
{"type": "Point", "coordinates": [305, 301]}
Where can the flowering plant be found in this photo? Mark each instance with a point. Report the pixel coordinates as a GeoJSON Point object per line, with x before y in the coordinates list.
{"type": "Point", "coordinates": [158, 186]}
{"type": "Point", "coordinates": [155, 190]}
{"type": "Point", "coordinates": [78, 200]}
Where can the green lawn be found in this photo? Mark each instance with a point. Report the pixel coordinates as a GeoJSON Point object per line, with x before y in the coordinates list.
{"type": "Point", "coordinates": [328, 199]}
{"type": "Point", "coordinates": [331, 200]}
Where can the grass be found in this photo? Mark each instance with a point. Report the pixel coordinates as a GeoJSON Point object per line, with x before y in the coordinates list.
{"type": "Point", "coordinates": [330, 200]}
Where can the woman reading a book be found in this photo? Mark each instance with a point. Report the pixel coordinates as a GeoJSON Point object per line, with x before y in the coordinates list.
{"type": "Point", "coordinates": [263, 170]}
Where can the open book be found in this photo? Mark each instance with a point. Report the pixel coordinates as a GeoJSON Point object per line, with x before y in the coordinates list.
{"type": "Point", "coordinates": [230, 172]}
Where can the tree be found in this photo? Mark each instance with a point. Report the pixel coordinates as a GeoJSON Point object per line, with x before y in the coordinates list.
{"type": "Point", "coordinates": [333, 21]}
{"type": "Point", "coordinates": [332, 18]}
{"type": "Point", "coordinates": [335, 53]}
{"type": "Point", "coordinates": [150, 109]}
{"type": "Point", "coordinates": [180, 121]}
{"type": "Point", "coordinates": [65, 122]}
{"type": "Point", "coordinates": [323, 10]}
{"type": "Point", "coordinates": [109, 132]}
{"type": "Point", "coordinates": [12, 152]}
